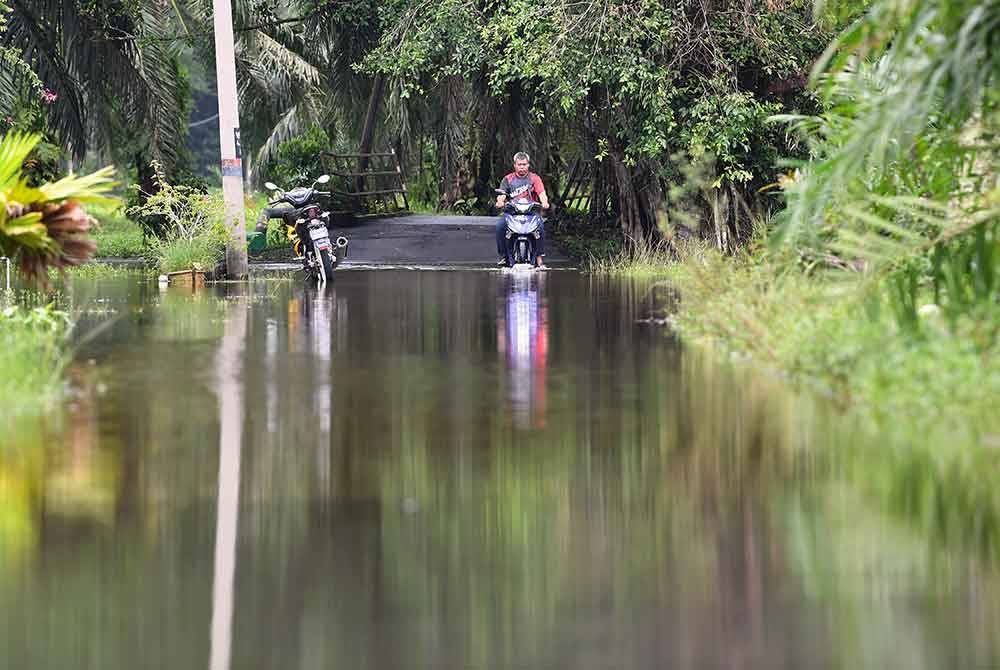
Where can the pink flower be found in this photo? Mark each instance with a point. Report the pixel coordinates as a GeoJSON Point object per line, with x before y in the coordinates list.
{"type": "Point", "coordinates": [9, 120]}
{"type": "Point", "coordinates": [48, 97]}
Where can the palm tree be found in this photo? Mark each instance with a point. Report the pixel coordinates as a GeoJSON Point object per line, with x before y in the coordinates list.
{"type": "Point", "coordinates": [110, 67]}
{"type": "Point", "coordinates": [296, 70]}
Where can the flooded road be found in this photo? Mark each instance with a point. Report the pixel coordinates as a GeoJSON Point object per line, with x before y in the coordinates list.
{"type": "Point", "coordinates": [461, 470]}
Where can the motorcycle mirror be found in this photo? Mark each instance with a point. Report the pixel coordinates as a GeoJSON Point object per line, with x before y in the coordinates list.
{"type": "Point", "coordinates": [270, 186]}
{"type": "Point", "coordinates": [323, 179]}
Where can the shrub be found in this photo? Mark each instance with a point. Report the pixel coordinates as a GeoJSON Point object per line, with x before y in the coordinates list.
{"type": "Point", "coordinates": [299, 159]}
{"type": "Point", "coordinates": [115, 234]}
{"type": "Point", "coordinates": [194, 233]}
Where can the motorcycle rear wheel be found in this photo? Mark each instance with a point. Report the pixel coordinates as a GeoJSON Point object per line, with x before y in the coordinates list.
{"type": "Point", "coordinates": [325, 266]}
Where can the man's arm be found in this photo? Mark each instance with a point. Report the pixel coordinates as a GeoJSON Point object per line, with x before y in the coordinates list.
{"type": "Point", "coordinates": [502, 197]}
{"type": "Point", "coordinates": [540, 190]}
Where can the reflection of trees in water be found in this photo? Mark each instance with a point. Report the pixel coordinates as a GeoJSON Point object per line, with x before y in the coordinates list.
{"type": "Point", "coordinates": [595, 519]}
{"type": "Point", "coordinates": [669, 508]}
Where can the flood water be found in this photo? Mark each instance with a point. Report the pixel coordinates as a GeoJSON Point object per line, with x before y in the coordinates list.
{"type": "Point", "coordinates": [461, 470]}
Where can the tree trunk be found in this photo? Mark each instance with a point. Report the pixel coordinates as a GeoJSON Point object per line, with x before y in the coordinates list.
{"type": "Point", "coordinates": [601, 191]}
{"type": "Point", "coordinates": [368, 131]}
{"type": "Point", "coordinates": [729, 217]}
{"type": "Point", "coordinates": [486, 178]}
{"type": "Point", "coordinates": [718, 199]}
{"type": "Point", "coordinates": [451, 142]}
{"type": "Point", "coordinates": [640, 201]}
{"type": "Point", "coordinates": [146, 176]}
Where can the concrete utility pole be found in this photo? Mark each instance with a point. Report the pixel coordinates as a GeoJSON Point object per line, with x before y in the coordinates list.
{"type": "Point", "coordinates": [229, 136]}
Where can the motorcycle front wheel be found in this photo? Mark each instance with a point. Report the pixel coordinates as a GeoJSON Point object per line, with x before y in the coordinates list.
{"type": "Point", "coordinates": [523, 251]}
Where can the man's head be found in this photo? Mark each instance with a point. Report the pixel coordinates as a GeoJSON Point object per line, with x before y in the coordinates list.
{"type": "Point", "coordinates": [522, 163]}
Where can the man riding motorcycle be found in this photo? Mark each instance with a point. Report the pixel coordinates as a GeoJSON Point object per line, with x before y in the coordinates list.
{"type": "Point", "coordinates": [523, 185]}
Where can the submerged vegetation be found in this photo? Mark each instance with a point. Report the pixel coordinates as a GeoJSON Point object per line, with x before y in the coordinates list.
{"type": "Point", "coordinates": [43, 228]}
{"type": "Point", "coordinates": [934, 378]}
{"type": "Point", "coordinates": [32, 357]}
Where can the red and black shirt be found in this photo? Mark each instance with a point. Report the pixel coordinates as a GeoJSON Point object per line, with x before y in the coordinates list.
{"type": "Point", "coordinates": [528, 187]}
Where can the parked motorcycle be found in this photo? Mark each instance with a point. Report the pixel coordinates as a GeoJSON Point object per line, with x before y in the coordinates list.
{"type": "Point", "coordinates": [307, 228]}
{"type": "Point", "coordinates": [524, 221]}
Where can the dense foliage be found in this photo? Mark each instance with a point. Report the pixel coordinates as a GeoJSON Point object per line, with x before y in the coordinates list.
{"type": "Point", "coordinates": [98, 79]}
{"type": "Point", "coordinates": [629, 94]}
{"type": "Point", "coordinates": [903, 184]}
{"type": "Point", "coordinates": [634, 89]}
{"type": "Point", "coordinates": [881, 279]}
{"type": "Point", "coordinates": [665, 109]}
{"type": "Point", "coordinates": [299, 160]}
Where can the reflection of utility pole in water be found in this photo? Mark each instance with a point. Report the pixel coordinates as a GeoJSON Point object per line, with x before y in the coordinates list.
{"type": "Point", "coordinates": [230, 390]}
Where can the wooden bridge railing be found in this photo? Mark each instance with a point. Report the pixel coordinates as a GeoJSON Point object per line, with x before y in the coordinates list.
{"type": "Point", "coordinates": [575, 192]}
{"type": "Point", "coordinates": [369, 183]}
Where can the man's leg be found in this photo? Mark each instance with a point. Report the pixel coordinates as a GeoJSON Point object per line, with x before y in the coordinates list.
{"type": "Point", "coordinates": [540, 244]}
{"type": "Point", "coordinates": [502, 239]}
{"type": "Point", "coordinates": [266, 214]}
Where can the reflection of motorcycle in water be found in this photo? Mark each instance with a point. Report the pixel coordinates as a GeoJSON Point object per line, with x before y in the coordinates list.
{"type": "Point", "coordinates": [522, 334]}
{"type": "Point", "coordinates": [314, 319]}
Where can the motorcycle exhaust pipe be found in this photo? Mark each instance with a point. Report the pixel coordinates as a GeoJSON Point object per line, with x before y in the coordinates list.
{"type": "Point", "coordinates": [340, 248]}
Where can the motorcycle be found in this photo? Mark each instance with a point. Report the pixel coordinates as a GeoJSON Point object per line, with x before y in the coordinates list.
{"type": "Point", "coordinates": [307, 228]}
{"type": "Point", "coordinates": [524, 221]}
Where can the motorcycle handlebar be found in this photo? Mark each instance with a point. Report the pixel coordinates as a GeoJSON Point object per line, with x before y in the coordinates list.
{"type": "Point", "coordinates": [509, 207]}
{"type": "Point", "coordinates": [282, 199]}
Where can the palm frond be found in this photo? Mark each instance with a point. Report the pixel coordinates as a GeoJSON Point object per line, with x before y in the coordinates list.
{"type": "Point", "coordinates": [156, 66]}
{"type": "Point", "coordinates": [905, 70]}
{"type": "Point", "coordinates": [284, 62]}
{"type": "Point", "coordinates": [89, 189]}
{"type": "Point", "coordinates": [14, 149]}
{"type": "Point", "coordinates": [291, 124]}
{"type": "Point", "coordinates": [40, 43]}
